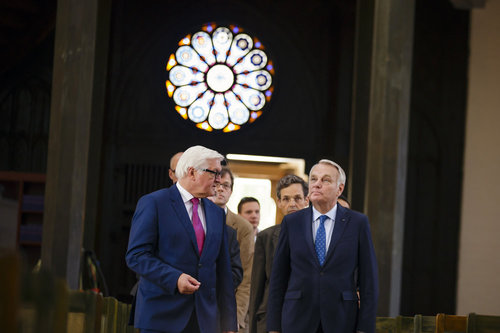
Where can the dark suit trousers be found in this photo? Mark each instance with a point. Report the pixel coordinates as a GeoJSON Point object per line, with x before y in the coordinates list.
{"type": "Point", "coordinates": [192, 326]}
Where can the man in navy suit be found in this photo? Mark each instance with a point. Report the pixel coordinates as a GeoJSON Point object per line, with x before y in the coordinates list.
{"type": "Point", "coordinates": [178, 246]}
{"type": "Point", "coordinates": [324, 254]}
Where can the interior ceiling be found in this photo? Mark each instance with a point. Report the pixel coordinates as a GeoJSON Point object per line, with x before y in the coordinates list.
{"type": "Point", "coordinates": [23, 25]}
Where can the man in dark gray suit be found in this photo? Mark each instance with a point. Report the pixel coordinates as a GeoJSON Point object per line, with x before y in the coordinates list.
{"type": "Point", "coordinates": [292, 196]}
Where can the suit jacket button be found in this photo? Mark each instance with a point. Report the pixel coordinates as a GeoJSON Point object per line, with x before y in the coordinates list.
{"type": "Point", "coordinates": [199, 265]}
{"type": "Point", "coordinates": [321, 273]}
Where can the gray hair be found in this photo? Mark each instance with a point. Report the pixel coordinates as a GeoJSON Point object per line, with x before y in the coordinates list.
{"type": "Point", "coordinates": [341, 179]}
{"type": "Point", "coordinates": [195, 157]}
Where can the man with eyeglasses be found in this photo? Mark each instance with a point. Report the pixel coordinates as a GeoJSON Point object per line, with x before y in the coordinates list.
{"type": "Point", "coordinates": [292, 196]}
{"type": "Point", "coordinates": [178, 246]}
{"type": "Point", "coordinates": [244, 234]}
{"type": "Point", "coordinates": [324, 253]}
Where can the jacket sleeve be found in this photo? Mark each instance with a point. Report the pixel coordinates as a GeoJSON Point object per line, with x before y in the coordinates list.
{"type": "Point", "coordinates": [234, 253]}
{"type": "Point", "coordinates": [143, 244]}
{"type": "Point", "coordinates": [279, 279]}
{"type": "Point", "coordinates": [368, 280]}
{"type": "Point", "coordinates": [246, 241]}
{"type": "Point", "coordinates": [258, 281]}
{"type": "Point", "coordinates": [224, 282]}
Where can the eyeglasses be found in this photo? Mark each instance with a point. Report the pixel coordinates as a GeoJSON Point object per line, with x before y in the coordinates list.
{"type": "Point", "coordinates": [225, 186]}
{"type": "Point", "coordinates": [297, 199]}
{"type": "Point", "coordinates": [215, 173]}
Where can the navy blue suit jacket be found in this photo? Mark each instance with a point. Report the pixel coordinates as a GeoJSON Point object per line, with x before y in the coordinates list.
{"type": "Point", "coordinates": [161, 247]}
{"type": "Point", "coordinates": [302, 293]}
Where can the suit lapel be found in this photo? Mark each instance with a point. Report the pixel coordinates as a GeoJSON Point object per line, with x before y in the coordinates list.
{"type": "Point", "coordinates": [210, 219]}
{"type": "Point", "coordinates": [230, 221]}
{"type": "Point", "coordinates": [307, 231]}
{"type": "Point", "coordinates": [338, 230]}
{"type": "Point", "coordinates": [276, 236]}
{"type": "Point", "coordinates": [183, 216]}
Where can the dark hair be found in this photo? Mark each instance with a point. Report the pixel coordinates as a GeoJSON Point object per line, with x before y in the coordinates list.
{"type": "Point", "coordinates": [244, 200]}
{"type": "Point", "coordinates": [225, 170]}
{"type": "Point", "coordinates": [289, 180]}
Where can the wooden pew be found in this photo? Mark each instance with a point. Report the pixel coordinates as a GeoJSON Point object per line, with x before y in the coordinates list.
{"type": "Point", "coordinates": [84, 312]}
{"type": "Point", "coordinates": [404, 324]}
{"type": "Point", "coordinates": [110, 315]}
{"type": "Point", "coordinates": [450, 323]}
{"type": "Point", "coordinates": [424, 324]}
{"type": "Point", "coordinates": [385, 325]}
{"type": "Point", "coordinates": [40, 302]}
{"type": "Point", "coordinates": [116, 316]}
{"type": "Point", "coordinates": [9, 290]}
{"type": "Point", "coordinates": [44, 303]}
{"type": "Point", "coordinates": [482, 323]}
{"type": "Point", "coordinates": [400, 324]}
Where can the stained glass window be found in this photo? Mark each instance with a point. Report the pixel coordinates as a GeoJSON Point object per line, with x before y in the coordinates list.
{"type": "Point", "coordinates": [220, 78]}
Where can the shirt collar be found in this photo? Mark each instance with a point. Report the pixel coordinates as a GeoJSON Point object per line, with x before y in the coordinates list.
{"type": "Point", "coordinates": [331, 213]}
{"type": "Point", "coordinates": [186, 196]}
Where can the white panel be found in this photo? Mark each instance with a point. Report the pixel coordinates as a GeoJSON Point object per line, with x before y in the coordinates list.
{"type": "Point", "coordinates": [185, 95]}
{"type": "Point", "coordinates": [242, 44]}
{"type": "Point", "coordinates": [188, 57]}
{"type": "Point", "coordinates": [222, 38]}
{"type": "Point", "coordinates": [198, 111]}
{"type": "Point", "coordinates": [260, 80]}
{"type": "Point", "coordinates": [218, 117]}
{"type": "Point", "coordinates": [202, 43]}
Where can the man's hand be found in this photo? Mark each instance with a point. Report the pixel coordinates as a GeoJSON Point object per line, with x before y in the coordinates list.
{"type": "Point", "coordinates": [187, 285]}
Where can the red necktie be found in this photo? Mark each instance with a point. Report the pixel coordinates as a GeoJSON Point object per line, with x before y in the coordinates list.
{"type": "Point", "coordinates": [198, 227]}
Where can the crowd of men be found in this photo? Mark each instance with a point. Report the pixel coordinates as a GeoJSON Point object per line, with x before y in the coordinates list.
{"type": "Point", "coordinates": [203, 268]}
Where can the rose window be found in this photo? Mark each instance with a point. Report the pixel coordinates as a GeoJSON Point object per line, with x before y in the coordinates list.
{"type": "Point", "coordinates": [220, 78]}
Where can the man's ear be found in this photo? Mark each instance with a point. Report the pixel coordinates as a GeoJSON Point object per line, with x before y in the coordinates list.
{"type": "Point", "coordinates": [341, 189]}
{"type": "Point", "coordinates": [191, 173]}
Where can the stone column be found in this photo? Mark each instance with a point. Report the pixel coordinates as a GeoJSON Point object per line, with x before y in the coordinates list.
{"type": "Point", "coordinates": [77, 107]}
{"type": "Point", "coordinates": [379, 148]}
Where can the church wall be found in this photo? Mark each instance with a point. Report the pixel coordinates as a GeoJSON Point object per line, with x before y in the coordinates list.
{"type": "Point", "coordinates": [435, 158]}
{"type": "Point", "coordinates": [479, 256]}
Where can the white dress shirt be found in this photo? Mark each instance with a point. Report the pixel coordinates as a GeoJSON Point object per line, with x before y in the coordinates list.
{"type": "Point", "coordinates": [329, 224]}
{"type": "Point", "coordinates": [186, 198]}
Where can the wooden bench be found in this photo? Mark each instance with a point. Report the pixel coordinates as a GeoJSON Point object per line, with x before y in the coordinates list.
{"type": "Point", "coordinates": [482, 323]}
{"type": "Point", "coordinates": [450, 323]}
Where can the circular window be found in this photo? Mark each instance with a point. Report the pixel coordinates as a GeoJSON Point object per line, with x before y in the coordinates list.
{"type": "Point", "coordinates": [220, 78]}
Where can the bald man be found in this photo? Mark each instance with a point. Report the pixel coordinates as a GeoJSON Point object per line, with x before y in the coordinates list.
{"type": "Point", "coordinates": [173, 165]}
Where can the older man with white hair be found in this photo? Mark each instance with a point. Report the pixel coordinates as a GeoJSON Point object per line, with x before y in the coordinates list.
{"type": "Point", "coordinates": [324, 253]}
{"type": "Point", "coordinates": [178, 246]}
